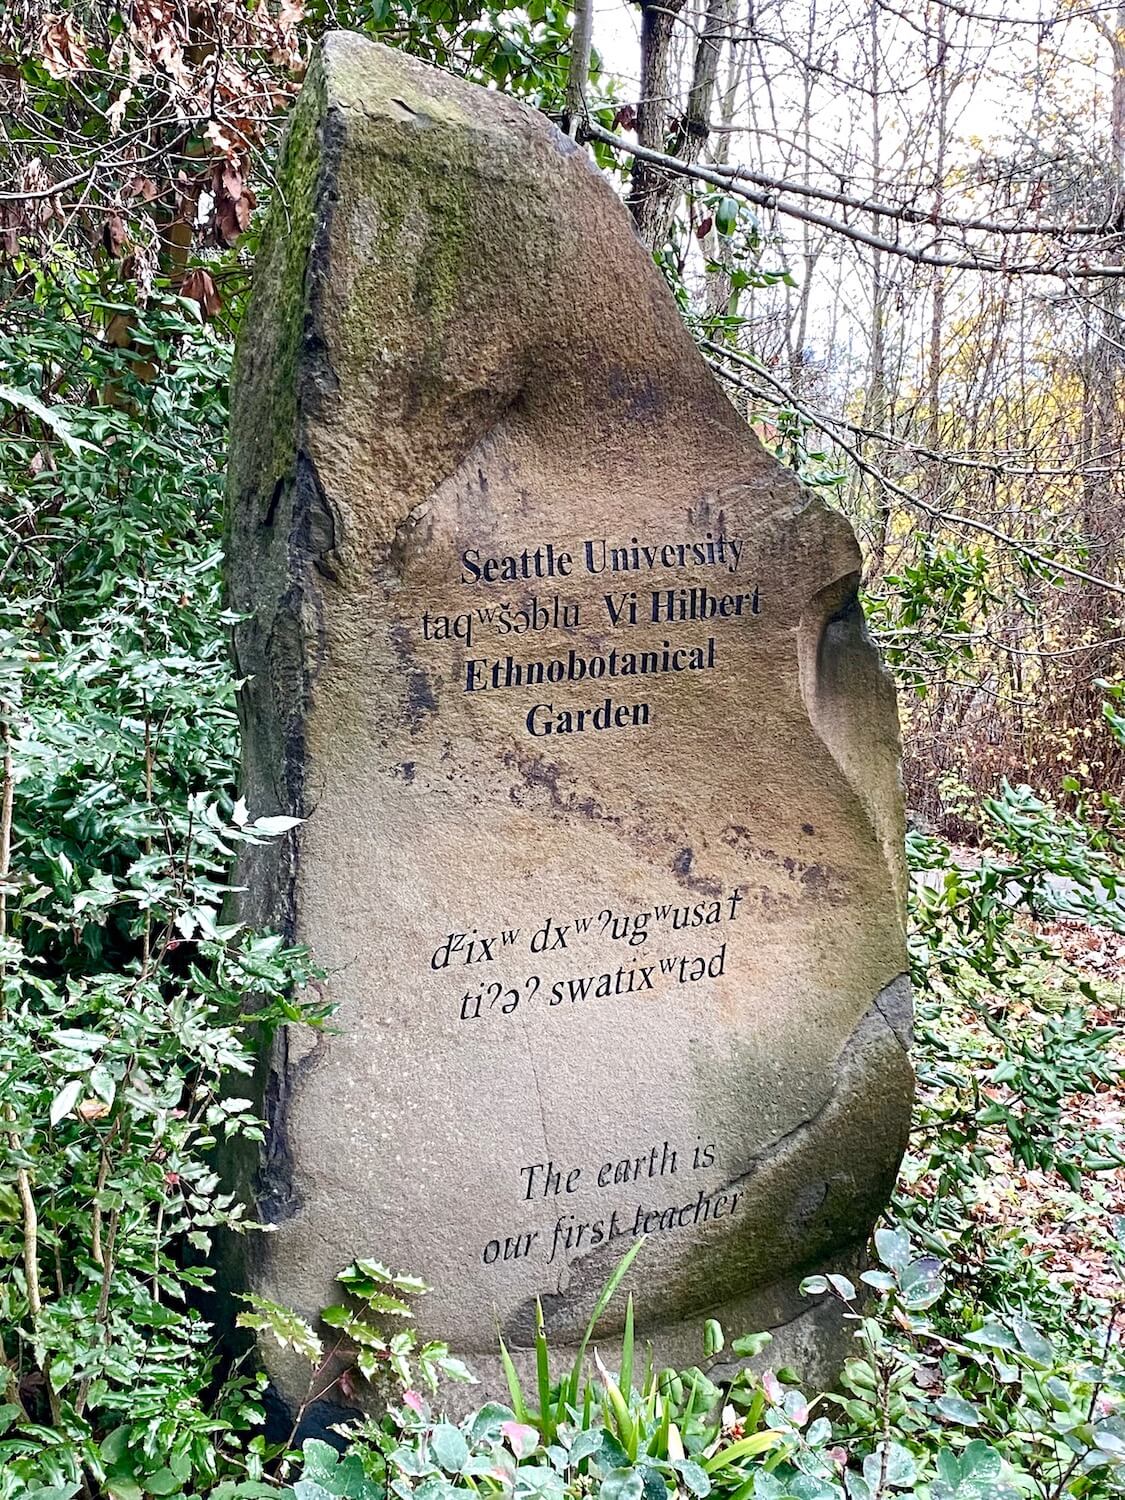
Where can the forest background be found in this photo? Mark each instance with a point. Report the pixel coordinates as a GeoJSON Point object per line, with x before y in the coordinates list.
{"type": "Point", "coordinates": [897, 233]}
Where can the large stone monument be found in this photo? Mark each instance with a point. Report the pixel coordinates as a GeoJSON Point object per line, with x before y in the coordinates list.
{"type": "Point", "coordinates": [598, 770]}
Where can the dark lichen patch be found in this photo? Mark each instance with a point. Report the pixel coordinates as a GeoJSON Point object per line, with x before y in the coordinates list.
{"type": "Point", "coordinates": [401, 643]}
{"type": "Point", "coordinates": [541, 784]}
{"type": "Point", "coordinates": [420, 259]}
{"type": "Point", "coordinates": [851, 1123]}
{"type": "Point", "coordinates": [420, 699]}
{"type": "Point", "coordinates": [682, 869]}
{"type": "Point", "coordinates": [268, 354]}
{"type": "Point", "coordinates": [806, 878]}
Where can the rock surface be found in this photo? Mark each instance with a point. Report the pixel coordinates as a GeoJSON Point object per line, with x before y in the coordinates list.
{"type": "Point", "coordinates": [599, 771]}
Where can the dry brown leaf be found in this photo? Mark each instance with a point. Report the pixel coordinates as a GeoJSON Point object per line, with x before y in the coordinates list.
{"type": "Point", "coordinates": [200, 286]}
{"type": "Point", "coordinates": [115, 114]}
{"type": "Point", "coordinates": [62, 47]}
{"type": "Point", "coordinates": [114, 235]}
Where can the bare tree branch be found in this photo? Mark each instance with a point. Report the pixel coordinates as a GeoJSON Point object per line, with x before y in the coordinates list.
{"type": "Point", "coordinates": [730, 179]}
{"type": "Point", "coordinates": [948, 518]}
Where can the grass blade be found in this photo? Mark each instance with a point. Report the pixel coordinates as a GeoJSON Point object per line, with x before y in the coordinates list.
{"type": "Point", "coordinates": [627, 1351]}
{"type": "Point", "coordinates": [615, 1278]}
{"type": "Point", "coordinates": [512, 1377]}
{"type": "Point", "coordinates": [543, 1377]}
{"type": "Point", "coordinates": [747, 1447]}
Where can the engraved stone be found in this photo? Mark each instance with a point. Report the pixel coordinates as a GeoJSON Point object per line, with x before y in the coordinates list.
{"type": "Point", "coordinates": [567, 678]}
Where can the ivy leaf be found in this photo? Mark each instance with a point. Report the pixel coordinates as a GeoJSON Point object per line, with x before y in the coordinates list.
{"type": "Point", "coordinates": [65, 1100]}
{"type": "Point", "coordinates": [956, 1409]}
{"type": "Point", "coordinates": [448, 1445]}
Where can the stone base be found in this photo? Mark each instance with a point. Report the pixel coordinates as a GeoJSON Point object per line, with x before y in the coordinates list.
{"type": "Point", "coordinates": [811, 1336]}
{"type": "Point", "coordinates": [813, 1341]}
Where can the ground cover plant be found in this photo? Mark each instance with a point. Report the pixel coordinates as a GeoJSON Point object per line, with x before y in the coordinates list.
{"type": "Point", "coordinates": [987, 1363]}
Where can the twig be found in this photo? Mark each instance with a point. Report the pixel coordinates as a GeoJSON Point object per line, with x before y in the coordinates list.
{"type": "Point", "coordinates": [312, 1394]}
{"type": "Point", "coordinates": [23, 1180]}
{"type": "Point", "coordinates": [948, 518]}
{"type": "Point", "coordinates": [732, 178]}
{"type": "Point", "coordinates": [581, 43]}
{"type": "Point", "coordinates": [101, 1317]}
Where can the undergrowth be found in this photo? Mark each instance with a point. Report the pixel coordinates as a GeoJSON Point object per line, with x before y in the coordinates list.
{"type": "Point", "coordinates": [986, 1360]}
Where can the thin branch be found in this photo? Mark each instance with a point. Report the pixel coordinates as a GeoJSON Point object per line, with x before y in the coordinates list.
{"type": "Point", "coordinates": [578, 67]}
{"type": "Point", "coordinates": [730, 178]}
{"type": "Point", "coordinates": [948, 518]}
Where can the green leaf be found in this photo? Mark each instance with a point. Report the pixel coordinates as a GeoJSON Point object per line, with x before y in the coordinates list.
{"type": "Point", "coordinates": [980, 1461]}
{"type": "Point", "coordinates": [271, 827]}
{"type": "Point", "coordinates": [613, 1281]}
{"type": "Point", "coordinates": [627, 1339]}
{"type": "Point", "coordinates": [747, 1447]}
{"type": "Point", "coordinates": [922, 1284]}
{"type": "Point", "coordinates": [449, 1448]}
{"type": "Point", "coordinates": [511, 1376]}
{"type": "Point", "coordinates": [751, 1344]}
{"type": "Point", "coordinates": [655, 1485]}
{"type": "Point", "coordinates": [587, 1442]}
{"type": "Point", "coordinates": [893, 1248]}
{"type": "Point", "coordinates": [29, 403]}
{"type": "Point", "coordinates": [538, 1482]}
{"type": "Point", "coordinates": [694, 1476]}
{"type": "Point", "coordinates": [622, 1484]}
{"type": "Point", "coordinates": [890, 1465]}
{"type": "Point", "coordinates": [163, 1482]}
{"type": "Point", "coordinates": [320, 1458]}
{"type": "Point", "coordinates": [726, 215]}
{"type": "Point", "coordinates": [1034, 1344]}
{"type": "Point", "coordinates": [956, 1409]}
{"type": "Point", "coordinates": [311, 1489]}
{"type": "Point", "coordinates": [993, 1336]}
{"type": "Point", "coordinates": [65, 1100]}
{"type": "Point", "coordinates": [543, 1375]}
{"type": "Point", "coordinates": [383, 1302]}
{"type": "Point", "coordinates": [283, 1325]}
{"type": "Point", "coordinates": [247, 1489]}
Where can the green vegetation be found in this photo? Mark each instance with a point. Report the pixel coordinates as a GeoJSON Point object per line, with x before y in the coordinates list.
{"type": "Point", "coordinates": [987, 1363]}
{"type": "Point", "coordinates": [979, 1370]}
